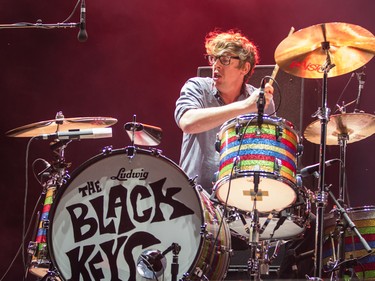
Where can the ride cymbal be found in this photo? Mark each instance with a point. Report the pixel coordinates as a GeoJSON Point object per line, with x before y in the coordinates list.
{"type": "Point", "coordinates": [357, 126]}
{"type": "Point", "coordinates": [301, 53]}
{"type": "Point", "coordinates": [60, 125]}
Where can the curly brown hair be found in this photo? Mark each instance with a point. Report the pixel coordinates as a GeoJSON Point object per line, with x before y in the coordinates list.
{"type": "Point", "coordinates": [234, 42]}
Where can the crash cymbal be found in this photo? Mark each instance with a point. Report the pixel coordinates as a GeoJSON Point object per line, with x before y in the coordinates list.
{"type": "Point", "coordinates": [357, 126]}
{"type": "Point", "coordinates": [143, 134]}
{"type": "Point", "coordinates": [301, 54]}
{"type": "Point", "coordinates": [61, 125]}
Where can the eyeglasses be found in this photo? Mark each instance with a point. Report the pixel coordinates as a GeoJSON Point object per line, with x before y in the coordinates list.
{"type": "Point", "coordinates": [224, 59]}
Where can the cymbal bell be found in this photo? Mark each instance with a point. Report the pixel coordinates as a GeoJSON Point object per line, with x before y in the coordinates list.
{"type": "Point", "coordinates": [301, 53]}
{"type": "Point", "coordinates": [60, 125]}
{"type": "Point", "coordinates": [356, 126]}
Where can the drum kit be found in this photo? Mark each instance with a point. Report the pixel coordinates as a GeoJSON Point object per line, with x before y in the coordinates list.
{"type": "Point", "coordinates": [133, 214]}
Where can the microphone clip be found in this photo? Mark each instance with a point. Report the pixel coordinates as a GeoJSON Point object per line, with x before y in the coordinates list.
{"type": "Point", "coordinates": [261, 104]}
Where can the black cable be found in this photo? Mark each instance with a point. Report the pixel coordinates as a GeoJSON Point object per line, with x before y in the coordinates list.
{"type": "Point", "coordinates": [22, 244]}
{"type": "Point", "coordinates": [278, 90]}
{"type": "Point", "coordinates": [346, 86]}
{"type": "Point", "coordinates": [25, 202]}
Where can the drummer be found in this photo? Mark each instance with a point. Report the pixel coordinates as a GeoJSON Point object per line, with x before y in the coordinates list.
{"type": "Point", "coordinates": [206, 103]}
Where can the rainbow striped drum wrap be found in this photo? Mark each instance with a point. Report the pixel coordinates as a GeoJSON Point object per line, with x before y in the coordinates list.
{"type": "Point", "coordinates": [40, 262]}
{"type": "Point", "coordinates": [364, 220]}
{"type": "Point", "coordinates": [270, 150]}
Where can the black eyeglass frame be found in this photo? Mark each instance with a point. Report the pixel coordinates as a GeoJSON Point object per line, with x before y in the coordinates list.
{"type": "Point", "coordinates": [212, 59]}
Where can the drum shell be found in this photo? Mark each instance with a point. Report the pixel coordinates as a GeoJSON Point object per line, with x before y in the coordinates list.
{"type": "Point", "coordinates": [107, 172]}
{"type": "Point", "coordinates": [269, 152]}
{"type": "Point", "coordinates": [364, 220]}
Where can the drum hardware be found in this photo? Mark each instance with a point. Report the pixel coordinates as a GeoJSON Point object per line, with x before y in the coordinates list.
{"type": "Point", "coordinates": [361, 83]}
{"type": "Point", "coordinates": [107, 150]}
{"type": "Point", "coordinates": [344, 128]}
{"type": "Point", "coordinates": [277, 168]}
{"type": "Point", "coordinates": [62, 130]}
{"type": "Point", "coordinates": [342, 223]}
{"type": "Point", "coordinates": [54, 175]}
{"type": "Point", "coordinates": [152, 263]}
{"type": "Point", "coordinates": [313, 59]}
{"type": "Point", "coordinates": [143, 134]}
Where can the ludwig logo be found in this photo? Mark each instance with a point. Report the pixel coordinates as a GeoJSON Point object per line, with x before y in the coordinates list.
{"type": "Point", "coordinates": [124, 175]}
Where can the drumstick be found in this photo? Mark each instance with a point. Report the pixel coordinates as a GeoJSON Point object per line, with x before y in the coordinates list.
{"type": "Point", "coordinates": [276, 69]}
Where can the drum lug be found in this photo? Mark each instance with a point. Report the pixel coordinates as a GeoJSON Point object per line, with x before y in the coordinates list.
{"type": "Point", "coordinates": [31, 248]}
{"type": "Point", "coordinates": [217, 144]}
{"type": "Point", "coordinates": [156, 152]}
{"type": "Point", "coordinates": [238, 129]}
{"type": "Point", "coordinates": [107, 150]}
{"type": "Point", "coordinates": [300, 149]}
{"type": "Point", "coordinates": [130, 150]}
{"type": "Point", "coordinates": [204, 231]}
{"type": "Point", "coordinates": [277, 166]}
{"type": "Point", "coordinates": [279, 132]}
{"type": "Point", "coordinates": [45, 224]}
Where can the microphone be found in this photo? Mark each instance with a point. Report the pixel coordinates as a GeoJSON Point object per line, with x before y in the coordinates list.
{"type": "Point", "coordinates": [95, 133]}
{"type": "Point", "coordinates": [361, 83]}
{"type": "Point", "coordinates": [261, 103]}
{"type": "Point", "coordinates": [309, 170]}
{"type": "Point", "coordinates": [151, 264]}
{"type": "Point", "coordinates": [82, 34]}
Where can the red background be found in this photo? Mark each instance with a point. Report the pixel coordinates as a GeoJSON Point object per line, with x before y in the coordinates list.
{"type": "Point", "coordinates": [138, 55]}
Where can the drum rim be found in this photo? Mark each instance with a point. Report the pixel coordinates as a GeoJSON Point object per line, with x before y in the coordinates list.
{"type": "Point", "coordinates": [85, 165]}
{"type": "Point", "coordinates": [282, 179]}
{"type": "Point", "coordinates": [274, 120]}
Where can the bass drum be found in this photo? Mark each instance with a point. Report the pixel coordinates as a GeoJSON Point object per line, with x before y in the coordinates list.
{"type": "Point", "coordinates": [123, 213]}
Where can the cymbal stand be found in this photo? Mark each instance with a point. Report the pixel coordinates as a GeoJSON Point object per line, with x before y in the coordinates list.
{"type": "Point", "coordinates": [55, 175]}
{"type": "Point", "coordinates": [343, 139]}
{"type": "Point", "coordinates": [321, 195]}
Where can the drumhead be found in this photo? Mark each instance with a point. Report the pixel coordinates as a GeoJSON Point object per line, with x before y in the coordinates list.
{"type": "Point", "coordinates": [114, 209]}
{"type": "Point", "coordinates": [253, 119]}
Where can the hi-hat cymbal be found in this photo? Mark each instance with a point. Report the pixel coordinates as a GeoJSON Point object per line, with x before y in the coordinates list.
{"type": "Point", "coordinates": [301, 53]}
{"type": "Point", "coordinates": [357, 126]}
{"type": "Point", "coordinates": [143, 134]}
{"type": "Point", "coordinates": [61, 125]}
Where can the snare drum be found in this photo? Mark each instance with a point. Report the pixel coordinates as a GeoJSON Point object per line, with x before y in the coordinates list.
{"type": "Point", "coordinates": [257, 163]}
{"type": "Point", "coordinates": [364, 220]}
{"type": "Point", "coordinates": [120, 213]}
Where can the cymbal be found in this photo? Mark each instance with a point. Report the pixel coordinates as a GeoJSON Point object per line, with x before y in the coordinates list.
{"type": "Point", "coordinates": [60, 125]}
{"type": "Point", "coordinates": [357, 126]}
{"type": "Point", "coordinates": [144, 134]}
{"type": "Point", "coordinates": [301, 53]}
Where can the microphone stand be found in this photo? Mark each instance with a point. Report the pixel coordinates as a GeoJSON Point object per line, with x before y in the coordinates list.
{"type": "Point", "coordinates": [175, 265]}
{"type": "Point", "coordinates": [40, 25]}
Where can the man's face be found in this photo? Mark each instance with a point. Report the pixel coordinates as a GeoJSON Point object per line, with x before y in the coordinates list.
{"type": "Point", "coordinates": [227, 76]}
